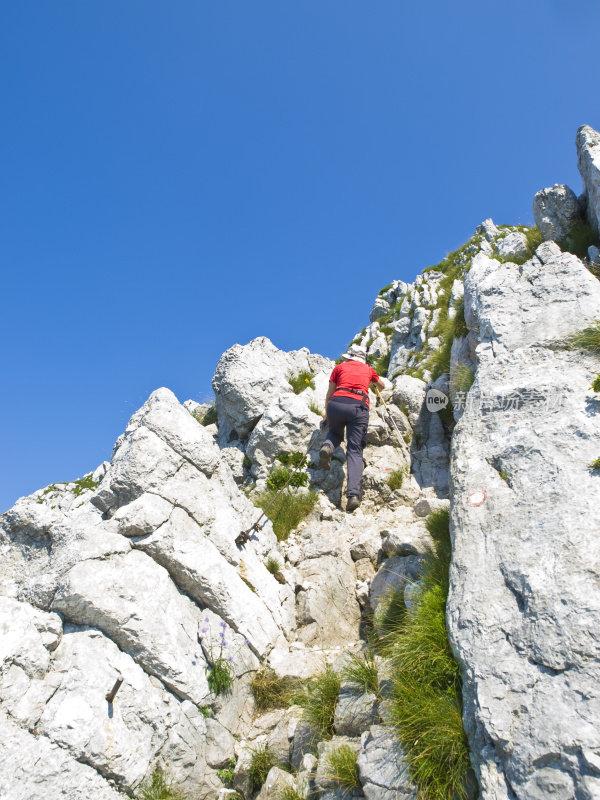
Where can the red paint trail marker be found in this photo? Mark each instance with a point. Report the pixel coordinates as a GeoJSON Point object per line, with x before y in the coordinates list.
{"type": "Point", "coordinates": [477, 498]}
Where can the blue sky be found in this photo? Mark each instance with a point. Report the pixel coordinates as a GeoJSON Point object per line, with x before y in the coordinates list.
{"type": "Point", "coordinates": [178, 177]}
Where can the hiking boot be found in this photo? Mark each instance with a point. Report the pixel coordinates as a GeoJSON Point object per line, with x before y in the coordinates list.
{"type": "Point", "coordinates": [352, 504]}
{"type": "Point", "coordinates": [325, 454]}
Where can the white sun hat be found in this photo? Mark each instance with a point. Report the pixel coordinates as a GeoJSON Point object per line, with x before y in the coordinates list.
{"type": "Point", "coordinates": [356, 353]}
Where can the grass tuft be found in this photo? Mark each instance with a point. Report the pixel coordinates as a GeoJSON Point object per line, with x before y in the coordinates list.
{"type": "Point", "coordinates": [289, 793]}
{"type": "Point", "coordinates": [595, 465]}
{"type": "Point", "coordinates": [462, 378]}
{"type": "Point", "coordinates": [579, 239]}
{"type": "Point", "coordinates": [396, 478]}
{"type": "Point", "coordinates": [263, 758]}
{"type": "Point", "coordinates": [342, 767]}
{"type": "Point", "coordinates": [426, 686]}
{"type": "Point", "coordinates": [273, 565]}
{"type": "Point", "coordinates": [302, 381]}
{"type": "Point", "coordinates": [595, 387]}
{"type": "Point", "coordinates": [588, 339]}
{"type": "Point", "coordinates": [315, 408]}
{"type": "Point", "coordinates": [286, 511]}
{"type": "Point", "coordinates": [318, 698]}
{"type": "Point", "coordinates": [270, 691]}
{"type": "Point", "coordinates": [362, 670]}
{"type": "Point", "coordinates": [381, 365]}
{"type": "Point", "coordinates": [159, 787]}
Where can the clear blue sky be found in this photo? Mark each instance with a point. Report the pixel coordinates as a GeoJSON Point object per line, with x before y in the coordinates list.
{"type": "Point", "coordinates": [177, 177]}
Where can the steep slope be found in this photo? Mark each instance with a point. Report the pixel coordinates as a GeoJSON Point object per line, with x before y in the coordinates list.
{"type": "Point", "coordinates": [134, 573]}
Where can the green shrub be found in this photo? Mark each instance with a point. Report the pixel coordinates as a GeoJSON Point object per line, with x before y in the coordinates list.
{"type": "Point", "coordinates": [587, 339]}
{"type": "Point", "coordinates": [263, 758]}
{"type": "Point", "coordinates": [341, 767]}
{"type": "Point", "coordinates": [426, 686]}
{"type": "Point", "coordinates": [596, 384]}
{"type": "Point", "coordinates": [286, 511]}
{"type": "Point", "coordinates": [206, 711]}
{"type": "Point", "coordinates": [319, 698]}
{"type": "Point", "coordinates": [462, 378]}
{"type": "Point", "coordinates": [292, 459]}
{"type": "Point", "coordinates": [385, 289]}
{"type": "Point", "coordinates": [302, 381]}
{"type": "Point", "coordinates": [595, 465]}
{"type": "Point", "coordinates": [246, 462]}
{"type": "Point", "coordinates": [579, 239]}
{"type": "Point", "coordinates": [226, 773]}
{"type": "Point", "coordinates": [159, 787]}
{"type": "Point", "coordinates": [381, 365]}
{"type": "Point", "coordinates": [83, 484]}
{"type": "Point", "coordinates": [279, 477]}
{"type": "Point", "coordinates": [362, 670]}
{"type": "Point", "coordinates": [396, 478]}
{"type": "Point", "coordinates": [270, 691]}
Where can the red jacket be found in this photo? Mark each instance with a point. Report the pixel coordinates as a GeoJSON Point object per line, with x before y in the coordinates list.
{"type": "Point", "coordinates": [353, 375]}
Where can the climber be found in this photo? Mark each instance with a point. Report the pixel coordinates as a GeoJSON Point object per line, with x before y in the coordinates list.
{"type": "Point", "coordinates": [347, 407]}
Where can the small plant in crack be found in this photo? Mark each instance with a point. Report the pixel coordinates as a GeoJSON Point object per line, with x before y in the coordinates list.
{"type": "Point", "coordinates": [219, 672]}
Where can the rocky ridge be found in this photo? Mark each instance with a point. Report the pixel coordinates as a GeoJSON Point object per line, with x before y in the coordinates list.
{"type": "Point", "coordinates": [133, 572]}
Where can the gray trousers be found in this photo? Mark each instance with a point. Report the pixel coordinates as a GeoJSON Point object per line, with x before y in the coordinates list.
{"type": "Point", "coordinates": [344, 413]}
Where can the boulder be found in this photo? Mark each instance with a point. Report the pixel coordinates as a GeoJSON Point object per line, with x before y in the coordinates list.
{"type": "Point", "coordinates": [524, 602]}
{"type": "Point", "coordinates": [383, 768]}
{"type": "Point", "coordinates": [556, 211]}
{"type": "Point", "coordinates": [355, 711]}
{"type": "Point", "coordinates": [248, 378]}
{"type": "Point", "coordinates": [381, 306]}
{"type": "Point", "coordinates": [277, 780]}
{"type": "Point", "coordinates": [588, 160]}
{"type": "Point", "coordinates": [514, 245]}
{"type": "Point", "coordinates": [392, 576]}
{"type": "Point", "coordinates": [32, 766]}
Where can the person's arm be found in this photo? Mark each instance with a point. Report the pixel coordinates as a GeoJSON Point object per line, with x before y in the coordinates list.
{"type": "Point", "coordinates": [330, 391]}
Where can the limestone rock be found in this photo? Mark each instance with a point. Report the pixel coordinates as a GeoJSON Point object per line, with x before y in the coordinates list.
{"type": "Point", "coordinates": [382, 767]}
{"type": "Point", "coordinates": [556, 211]}
{"type": "Point", "coordinates": [524, 598]}
{"type": "Point", "coordinates": [275, 782]}
{"type": "Point", "coordinates": [128, 598]}
{"type": "Point", "coordinates": [381, 306]}
{"type": "Point", "coordinates": [33, 767]}
{"type": "Point", "coordinates": [326, 609]}
{"type": "Point", "coordinates": [248, 377]}
{"type": "Point", "coordinates": [393, 575]}
{"type": "Point", "coordinates": [512, 246]}
{"type": "Point", "coordinates": [588, 158]}
{"type": "Point", "coordinates": [324, 780]}
{"type": "Point", "coordinates": [355, 711]}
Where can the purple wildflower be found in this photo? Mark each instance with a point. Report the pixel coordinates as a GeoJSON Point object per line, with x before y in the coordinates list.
{"type": "Point", "coordinates": [223, 624]}
{"type": "Point", "coordinates": [203, 630]}
{"type": "Point", "coordinates": [230, 659]}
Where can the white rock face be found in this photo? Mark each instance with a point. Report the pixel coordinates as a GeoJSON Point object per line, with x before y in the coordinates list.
{"type": "Point", "coordinates": [143, 572]}
{"type": "Point", "coordinates": [524, 604]}
{"type": "Point", "coordinates": [513, 245]}
{"type": "Point", "coordinates": [588, 157]}
{"type": "Point", "coordinates": [248, 378]}
{"type": "Point", "coordinates": [556, 210]}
